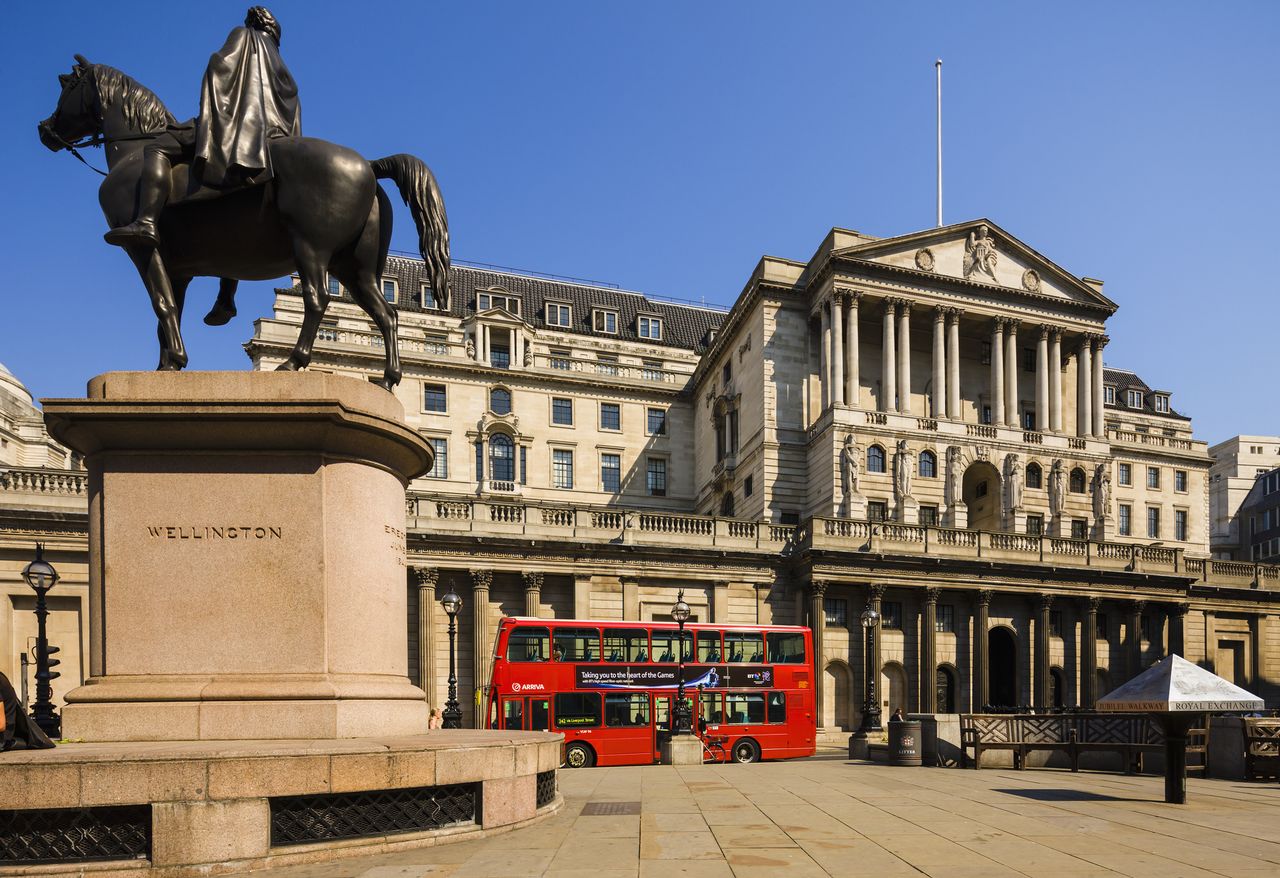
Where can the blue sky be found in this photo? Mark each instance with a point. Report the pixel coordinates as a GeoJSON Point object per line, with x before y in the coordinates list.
{"type": "Point", "coordinates": [665, 146]}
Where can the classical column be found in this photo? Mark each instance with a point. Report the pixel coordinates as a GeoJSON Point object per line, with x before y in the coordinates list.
{"type": "Point", "coordinates": [1178, 628]}
{"type": "Point", "coordinates": [824, 357]}
{"type": "Point", "coordinates": [997, 370]}
{"type": "Point", "coordinates": [1089, 655]}
{"type": "Point", "coordinates": [981, 691]}
{"type": "Point", "coordinates": [1040, 698]}
{"type": "Point", "coordinates": [837, 347]}
{"type": "Point", "coordinates": [1011, 375]}
{"type": "Point", "coordinates": [532, 593]}
{"type": "Point", "coordinates": [851, 377]}
{"type": "Point", "coordinates": [1042, 380]}
{"type": "Point", "coordinates": [1133, 638]}
{"type": "Point", "coordinates": [888, 362]}
{"type": "Point", "coordinates": [481, 580]}
{"type": "Point", "coordinates": [904, 359]}
{"type": "Point", "coordinates": [818, 624]}
{"type": "Point", "coordinates": [940, 363]}
{"type": "Point", "coordinates": [929, 652]}
{"type": "Point", "coordinates": [1084, 389]}
{"type": "Point", "coordinates": [1055, 381]}
{"type": "Point", "coordinates": [426, 578]}
{"type": "Point", "coordinates": [1099, 413]}
{"type": "Point", "coordinates": [953, 364]}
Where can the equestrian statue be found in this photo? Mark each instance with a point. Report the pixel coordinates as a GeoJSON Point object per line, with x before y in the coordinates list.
{"type": "Point", "coordinates": [238, 193]}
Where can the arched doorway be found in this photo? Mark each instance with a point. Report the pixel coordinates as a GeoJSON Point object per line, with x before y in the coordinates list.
{"type": "Point", "coordinates": [1057, 687]}
{"type": "Point", "coordinates": [946, 689]}
{"type": "Point", "coordinates": [837, 690]}
{"type": "Point", "coordinates": [893, 689]}
{"type": "Point", "coordinates": [1002, 667]}
{"type": "Point", "coordinates": [981, 492]}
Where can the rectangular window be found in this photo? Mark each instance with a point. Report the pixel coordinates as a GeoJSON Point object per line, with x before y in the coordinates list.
{"type": "Point", "coordinates": [440, 466]}
{"type": "Point", "coordinates": [429, 300]}
{"type": "Point", "coordinates": [560, 360]}
{"type": "Point", "coordinates": [656, 477]}
{"type": "Point", "coordinates": [610, 416]}
{"type": "Point", "coordinates": [651, 370]}
{"type": "Point", "coordinates": [709, 646]}
{"type": "Point", "coordinates": [836, 611]}
{"type": "Point", "coordinates": [1153, 477]}
{"type": "Point", "coordinates": [877, 510]}
{"type": "Point", "coordinates": [1153, 522]}
{"type": "Point", "coordinates": [1162, 404]}
{"type": "Point", "coordinates": [335, 288]}
{"type": "Point", "coordinates": [1079, 529]}
{"type": "Point", "coordinates": [1180, 525]}
{"type": "Point", "coordinates": [929, 516]}
{"type": "Point", "coordinates": [625, 645]}
{"type": "Point", "coordinates": [1028, 359]}
{"type": "Point", "coordinates": [1109, 395]}
{"type": "Point", "coordinates": [777, 707]}
{"type": "Point", "coordinates": [1028, 419]}
{"type": "Point", "coordinates": [986, 414]}
{"type": "Point", "coordinates": [945, 620]}
{"type": "Point", "coordinates": [1100, 626]}
{"type": "Point", "coordinates": [607, 364]}
{"type": "Point", "coordinates": [529, 645]}
{"type": "Point", "coordinates": [611, 472]}
{"type": "Point", "coordinates": [726, 372]}
{"type": "Point", "coordinates": [433, 398]}
{"type": "Point", "coordinates": [656, 424]}
{"type": "Point", "coordinates": [562, 411]}
{"type": "Point", "coordinates": [557, 314]}
{"type": "Point", "coordinates": [891, 615]}
{"type": "Point", "coordinates": [743, 647]}
{"type": "Point", "coordinates": [1124, 474]}
{"type": "Point", "coordinates": [510, 304]}
{"type": "Point", "coordinates": [626, 710]}
{"type": "Point", "coordinates": [786, 648]}
{"type": "Point", "coordinates": [1035, 524]}
{"type": "Point", "coordinates": [389, 290]}
{"type": "Point", "coordinates": [650, 327]}
{"type": "Point", "coordinates": [986, 353]}
{"type": "Point", "coordinates": [1125, 522]}
{"type": "Point", "coordinates": [744, 708]}
{"type": "Point", "coordinates": [576, 710]}
{"type": "Point", "coordinates": [577, 645]}
{"type": "Point", "coordinates": [1055, 623]}
{"type": "Point", "coordinates": [1135, 399]}
{"type": "Point", "coordinates": [561, 468]}
{"type": "Point", "coordinates": [1180, 481]}
{"type": "Point", "coordinates": [748, 487]}
{"type": "Point", "coordinates": [604, 321]}
{"type": "Point", "coordinates": [524, 470]}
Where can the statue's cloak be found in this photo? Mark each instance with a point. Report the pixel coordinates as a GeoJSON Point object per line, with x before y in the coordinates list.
{"type": "Point", "coordinates": [247, 98]}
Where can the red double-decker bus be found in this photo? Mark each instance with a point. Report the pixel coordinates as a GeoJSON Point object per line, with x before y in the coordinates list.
{"type": "Point", "coordinates": [609, 687]}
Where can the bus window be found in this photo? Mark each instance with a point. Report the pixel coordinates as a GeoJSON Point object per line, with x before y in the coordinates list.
{"type": "Point", "coordinates": [577, 645]}
{"type": "Point", "coordinates": [745, 708]}
{"type": "Point", "coordinates": [786, 648]}
{"type": "Point", "coordinates": [710, 712]}
{"type": "Point", "coordinates": [662, 712]}
{"type": "Point", "coordinates": [575, 710]}
{"type": "Point", "coordinates": [625, 645]}
{"type": "Point", "coordinates": [709, 647]}
{"type": "Point", "coordinates": [626, 709]}
{"type": "Point", "coordinates": [513, 714]}
{"type": "Point", "coordinates": [539, 721]}
{"type": "Point", "coordinates": [664, 646]}
{"type": "Point", "coordinates": [528, 645]}
{"type": "Point", "coordinates": [777, 707]}
{"type": "Point", "coordinates": [744, 646]}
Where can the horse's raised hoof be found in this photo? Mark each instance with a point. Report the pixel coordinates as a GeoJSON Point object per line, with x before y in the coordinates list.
{"type": "Point", "coordinates": [288, 366]}
{"type": "Point", "coordinates": [219, 315]}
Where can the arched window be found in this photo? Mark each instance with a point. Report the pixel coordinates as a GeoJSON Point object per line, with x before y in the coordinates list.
{"type": "Point", "coordinates": [502, 458]}
{"type": "Point", "coordinates": [1034, 476]}
{"type": "Point", "coordinates": [946, 688]}
{"type": "Point", "coordinates": [500, 401]}
{"type": "Point", "coordinates": [1077, 481]}
{"type": "Point", "coordinates": [875, 459]}
{"type": "Point", "coordinates": [726, 505]}
{"type": "Point", "coordinates": [928, 465]}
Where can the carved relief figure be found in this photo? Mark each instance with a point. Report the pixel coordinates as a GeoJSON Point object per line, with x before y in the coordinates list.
{"type": "Point", "coordinates": [1101, 492]}
{"type": "Point", "coordinates": [849, 462]}
{"type": "Point", "coordinates": [952, 490]}
{"type": "Point", "coordinates": [980, 253]}
{"type": "Point", "coordinates": [903, 469]}
{"type": "Point", "coordinates": [1057, 489]}
{"type": "Point", "coordinates": [471, 348]}
{"type": "Point", "coordinates": [1013, 482]}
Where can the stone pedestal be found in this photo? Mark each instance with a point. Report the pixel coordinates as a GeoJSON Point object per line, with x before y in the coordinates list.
{"type": "Point", "coordinates": [957, 516]}
{"type": "Point", "coordinates": [1058, 527]}
{"type": "Point", "coordinates": [681, 750]}
{"type": "Point", "coordinates": [855, 507]}
{"type": "Point", "coordinates": [909, 510]}
{"type": "Point", "coordinates": [1102, 527]}
{"type": "Point", "coordinates": [246, 552]}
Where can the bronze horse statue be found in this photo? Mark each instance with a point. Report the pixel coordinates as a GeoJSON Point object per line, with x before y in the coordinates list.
{"type": "Point", "coordinates": [322, 213]}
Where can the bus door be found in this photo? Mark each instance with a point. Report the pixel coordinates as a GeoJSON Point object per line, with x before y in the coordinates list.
{"type": "Point", "coordinates": [661, 723]}
{"type": "Point", "coordinates": [513, 713]}
{"type": "Point", "coordinates": [538, 712]}
{"type": "Point", "coordinates": [526, 714]}
{"type": "Point", "coordinates": [628, 727]}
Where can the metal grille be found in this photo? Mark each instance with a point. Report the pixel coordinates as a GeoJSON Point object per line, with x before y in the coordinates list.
{"type": "Point", "coordinates": [610, 809]}
{"type": "Point", "coordinates": [302, 819]}
{"type": "Point", "coordinates": [546, 787]}
{"type": "Point", "coordinates": [66, 835]}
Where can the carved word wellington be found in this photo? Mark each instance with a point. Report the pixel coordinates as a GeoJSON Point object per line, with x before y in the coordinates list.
{"type": "Point", "coordinates": [208, 532]}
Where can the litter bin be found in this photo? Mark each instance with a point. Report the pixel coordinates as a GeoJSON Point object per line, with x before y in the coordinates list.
{"type": "Point", "coordinates": [904, 742]}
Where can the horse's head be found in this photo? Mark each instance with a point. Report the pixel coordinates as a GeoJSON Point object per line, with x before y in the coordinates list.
{"type": "Point", "coordinates": [75, 117]}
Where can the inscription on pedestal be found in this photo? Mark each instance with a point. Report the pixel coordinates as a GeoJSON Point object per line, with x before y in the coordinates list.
{"type": "Point", "coordinates": [397, 542]}
{"type": "Point", "coordinates": [214, 532]}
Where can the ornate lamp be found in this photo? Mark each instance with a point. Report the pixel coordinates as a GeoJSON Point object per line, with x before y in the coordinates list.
{"type": "Point", "coordinates": [871, 706]}
{"type": "Point", "coordinates": [452, 715]}
{"type": "Point", "coordinates": [683, 715]}
{"type": "Point", "coordinates": [41, 577]}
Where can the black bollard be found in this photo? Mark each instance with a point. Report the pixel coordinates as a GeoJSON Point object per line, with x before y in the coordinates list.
{"type": "Point", "coordinates": [1175, 727]}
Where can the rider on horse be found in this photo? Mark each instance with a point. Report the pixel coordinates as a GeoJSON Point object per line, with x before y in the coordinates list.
{"type": "Point", "coordinates": [247, 98]}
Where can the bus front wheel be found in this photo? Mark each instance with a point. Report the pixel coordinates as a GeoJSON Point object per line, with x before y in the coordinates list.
{"type": "Point", "coordinates": [746, 750]}
{"type": "Point", "coordinates": [578, 755]}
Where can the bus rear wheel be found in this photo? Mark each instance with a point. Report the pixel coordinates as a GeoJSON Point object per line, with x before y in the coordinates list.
{"type": "Point", "coordinates": [746, 750]}
{"type": "Point", "coordinates": [578, 755]}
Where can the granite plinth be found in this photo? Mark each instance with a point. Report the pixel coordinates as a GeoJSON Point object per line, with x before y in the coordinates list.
{"type": "Point", "coordinates": [681, 750]}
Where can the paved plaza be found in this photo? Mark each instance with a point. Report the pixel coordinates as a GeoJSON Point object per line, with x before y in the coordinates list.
{"type": "Point", "coordinates": [827, 816]}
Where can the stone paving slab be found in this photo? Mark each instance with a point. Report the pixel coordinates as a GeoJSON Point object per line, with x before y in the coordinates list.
{"type": "Point", "coordinates": [831, 817]}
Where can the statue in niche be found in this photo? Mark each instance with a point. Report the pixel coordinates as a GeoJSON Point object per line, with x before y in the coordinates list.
{"type": "Point", "coordinates": [1013, 482]}
{"type": "Point", "coordinates": [849, 463]}
{"type": "Point", "coordinates": [1101, 492]}
{"type": "Point", "coordinates": [1057, 489]}
{"type": "Point", "coordinates": [953, 490]}
{"type": "Point", "coordinates": [903, 470]}
{"type": "Point", "coordinates": [980, 253]}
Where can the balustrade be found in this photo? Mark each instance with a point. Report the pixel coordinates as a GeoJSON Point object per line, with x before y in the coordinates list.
{"type": "Point", "coordinates": [982, 431]}
{"type": "Point", "coordinates": [44, 481]}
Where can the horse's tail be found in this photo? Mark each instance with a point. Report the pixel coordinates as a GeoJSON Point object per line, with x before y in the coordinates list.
{"type": "Point", "coordinates": [418, 188]}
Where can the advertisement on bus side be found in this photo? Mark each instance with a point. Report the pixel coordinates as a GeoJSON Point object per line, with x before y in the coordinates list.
{"type": "Point", "coordinates": [645, 676]}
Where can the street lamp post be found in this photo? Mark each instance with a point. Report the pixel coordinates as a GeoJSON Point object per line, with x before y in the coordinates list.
{"type": "Point", "coordinates": [859, 747]}
{"type": "Point", "coordinates": [684, 720]}
{"type": "Point", "coordinates": [41, 577]}
{"type": "Point", "coordinates": [452, 716]}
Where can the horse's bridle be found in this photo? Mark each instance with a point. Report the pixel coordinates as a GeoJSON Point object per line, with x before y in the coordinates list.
{"type": "Point", "coordinates": [88, 141]}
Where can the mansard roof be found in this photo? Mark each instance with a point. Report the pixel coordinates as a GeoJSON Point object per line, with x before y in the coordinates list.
{"type": "Point", "coordinates": [1123, 380]}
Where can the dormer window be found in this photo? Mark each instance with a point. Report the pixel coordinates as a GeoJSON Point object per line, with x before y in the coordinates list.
{"type": "Point", "coordinates": [603, 320]}
{"type": "Point", "coordinates": [1161, 403]}
{"type": "Point", "coordinates": [430, 301]}
{"type": "Point", "coordinates": [1135, 399]}
{"type": "Point", "coordinates": [559, 314]}
{"type": "Point", "coordinates": [1109, 395]}
{"type": "Point", "coordinates": [390, 290]}
{"type": "Point", "coordinates": [649, 327]}
{"type": "Point", "coordinates": [510, 304]}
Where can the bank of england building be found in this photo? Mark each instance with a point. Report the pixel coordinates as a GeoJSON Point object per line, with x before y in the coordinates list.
{"type": "Point", "coordinates": [927, 424]}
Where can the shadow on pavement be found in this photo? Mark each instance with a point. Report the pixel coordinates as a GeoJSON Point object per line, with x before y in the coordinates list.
{"type": "Point", "coordinates": [1051, 795]}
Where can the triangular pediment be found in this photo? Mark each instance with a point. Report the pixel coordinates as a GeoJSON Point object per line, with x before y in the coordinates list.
{"type": "Point", "coordinates": [500, 316]}
{"type": "Point", "coordinates": [980, 252]}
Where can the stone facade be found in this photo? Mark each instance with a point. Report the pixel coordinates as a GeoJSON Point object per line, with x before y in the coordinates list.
{"type": "Point", "coordinates": [1237, 464]}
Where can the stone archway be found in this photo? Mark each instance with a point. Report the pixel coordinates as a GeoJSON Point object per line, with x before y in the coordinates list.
{"type": "Point", "coordinates": [980, 490]}
{"type": "Point", "coordinates": [837, 696]}
{"type": "Point", "coordinates": [1002, 667]}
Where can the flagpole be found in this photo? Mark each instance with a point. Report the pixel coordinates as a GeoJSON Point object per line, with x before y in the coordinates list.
{"type": "Point", "coordinates": [938, 65]}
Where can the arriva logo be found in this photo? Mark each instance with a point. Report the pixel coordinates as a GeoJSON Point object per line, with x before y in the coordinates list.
{"type": "Point", "coordinates": [526, 687]}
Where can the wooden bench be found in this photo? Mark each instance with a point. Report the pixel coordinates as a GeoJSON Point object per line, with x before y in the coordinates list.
{"type": "Point", "coordinates": [1130, 735]}
{"type": "Point", "coordinates": [1261, 749]}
